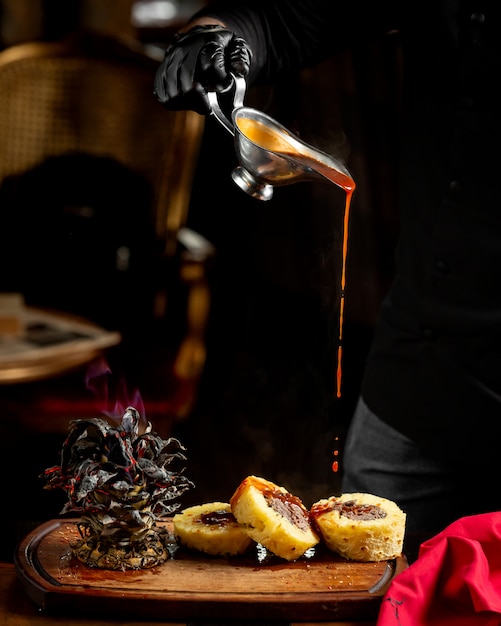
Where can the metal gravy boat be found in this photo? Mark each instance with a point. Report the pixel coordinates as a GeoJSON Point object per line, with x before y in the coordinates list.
{"type": "Point", "coordinates": [269, 154]}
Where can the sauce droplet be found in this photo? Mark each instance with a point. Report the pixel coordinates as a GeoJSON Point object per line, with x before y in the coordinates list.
{"type": "Point", "coordinates": [335, 453]}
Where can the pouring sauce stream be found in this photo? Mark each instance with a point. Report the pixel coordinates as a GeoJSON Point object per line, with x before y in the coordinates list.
{"type": "Point", "coordinates": [278, 143]}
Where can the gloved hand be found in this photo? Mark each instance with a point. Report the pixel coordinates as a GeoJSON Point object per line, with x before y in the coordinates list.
{"type": "Point", "coordinates": [200, 60]}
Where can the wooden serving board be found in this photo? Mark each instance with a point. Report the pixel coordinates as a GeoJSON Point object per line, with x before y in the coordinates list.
{"type": "Point", "coordinates": [320, 586]}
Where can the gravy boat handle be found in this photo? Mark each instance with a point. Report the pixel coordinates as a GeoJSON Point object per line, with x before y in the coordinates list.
{"type": "Point", "coordinates": [238, 83]}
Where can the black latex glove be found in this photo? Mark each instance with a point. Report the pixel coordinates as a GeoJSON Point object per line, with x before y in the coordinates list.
{"type": "Point", "coordinates": [198, 61]}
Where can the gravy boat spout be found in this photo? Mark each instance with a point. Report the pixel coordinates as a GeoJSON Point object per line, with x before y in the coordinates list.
{"type": "Point", "coordinates": [269, 155]}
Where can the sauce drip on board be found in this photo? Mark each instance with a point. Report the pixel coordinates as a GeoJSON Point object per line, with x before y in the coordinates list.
{"type": "Point", "coordinates": [279, 143]}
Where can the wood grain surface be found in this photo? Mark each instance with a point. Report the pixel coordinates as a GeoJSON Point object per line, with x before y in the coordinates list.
{"type": "Point", "coordinates": [192, 586]}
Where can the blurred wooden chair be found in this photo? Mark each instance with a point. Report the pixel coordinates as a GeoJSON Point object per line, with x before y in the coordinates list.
{"type": "Point", "coordinates": [95, 183]}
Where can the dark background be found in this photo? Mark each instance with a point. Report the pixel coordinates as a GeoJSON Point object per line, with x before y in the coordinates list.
{"type": "Point", "coordinates": [266, 402]}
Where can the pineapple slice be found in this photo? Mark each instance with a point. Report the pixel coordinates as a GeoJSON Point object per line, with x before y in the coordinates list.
{"type": "Point", "coordinates": [360, 526]}
{"type": "Point", "coordinates": [273, 517]}
{"type": "Point", "coordinates": [211, 528]}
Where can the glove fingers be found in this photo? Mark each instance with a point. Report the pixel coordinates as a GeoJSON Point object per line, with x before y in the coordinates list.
{"type": "Point", "coordinates": [196, 100]}
{"type": "Point", "coordinates": [200, 59]}
{"type": "Point", "coordinates": [167, 82]}
{"type": "Point", "coordinates": [175, 87]}
{"type": "Point", "coordinates": [160, 82]}
{"type": "Point", "coordinates": [240, 57]}
{"type": "Point", "coordinates": [212, 66]}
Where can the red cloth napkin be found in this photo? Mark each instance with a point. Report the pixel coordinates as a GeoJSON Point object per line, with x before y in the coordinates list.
{"type": "Point", "coordinates": [455, 581]}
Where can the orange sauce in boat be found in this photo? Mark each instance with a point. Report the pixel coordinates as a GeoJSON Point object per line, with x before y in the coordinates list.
{"type": "Point", "coordinates": [263, 136]}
